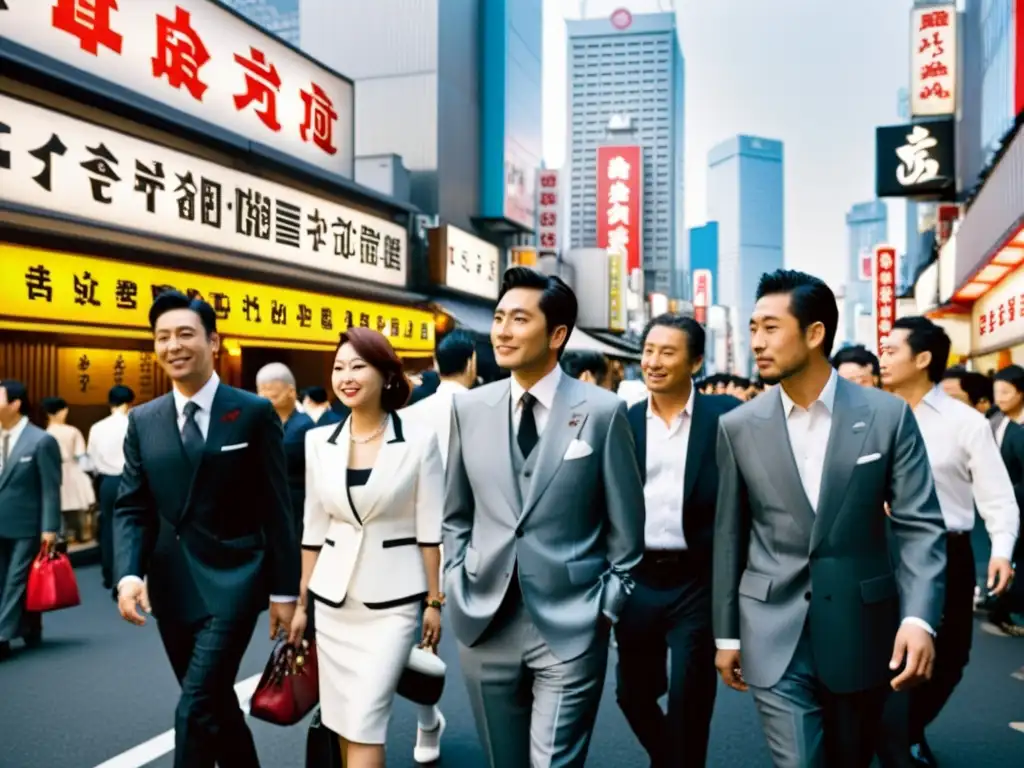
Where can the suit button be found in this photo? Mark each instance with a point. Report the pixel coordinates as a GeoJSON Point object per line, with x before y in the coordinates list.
{"type": "Point", "coordinates": [519, 533]}
{"type": "Point", "coordinates": [527, 473]}
{"type": "Point", "coordinates": [807, 596]}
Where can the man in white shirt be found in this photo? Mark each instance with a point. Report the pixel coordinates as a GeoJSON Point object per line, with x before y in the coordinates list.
{"type": "Point", "coordinates": [106, 453]}
{"type": "Point", "coordinates": [820, 603]}
{"type": "Point", "coordinates": [456, 365]}
{"type": "Point", "coordinates": [969, 473]}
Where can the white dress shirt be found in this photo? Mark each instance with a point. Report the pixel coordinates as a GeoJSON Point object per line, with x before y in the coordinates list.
{"type": "Point", "coordinates": [11, 436]}
{"type": "Point", "coordinates": [969, 470]}
{"type": "Point", "coordinates": [435, 411]}
{"type": "Point", "coordinates": [665, 477]}
{"type": "Point", "coordinates": [809, 429]}
{"type": "Point", "coordinates": [106, 444]}
{"type": "Point", "coordinates": [544, 390]}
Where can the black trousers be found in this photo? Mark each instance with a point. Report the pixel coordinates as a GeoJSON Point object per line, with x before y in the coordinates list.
{"type": "Point", "coordinates": [109, 485]}
{"type": "Point", "coordinates": [666, 645]}
{"type": "Point", "coordinates": [209, 726]}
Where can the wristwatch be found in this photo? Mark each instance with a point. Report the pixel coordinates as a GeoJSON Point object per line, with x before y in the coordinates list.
{"type": "Point", "coordinates": [435, 602]}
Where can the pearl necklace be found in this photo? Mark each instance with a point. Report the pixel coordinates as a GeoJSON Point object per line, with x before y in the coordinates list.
{"type": "Point", "coordinates": [377, 433]}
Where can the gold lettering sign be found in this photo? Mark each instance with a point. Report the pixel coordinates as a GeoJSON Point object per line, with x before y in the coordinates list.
{"type": "Point", "coordinates": [616, 299]}
{"type": "Point", "coordinates": [85, 376]}
{"type": "Point", "coordinates": [61, 288]}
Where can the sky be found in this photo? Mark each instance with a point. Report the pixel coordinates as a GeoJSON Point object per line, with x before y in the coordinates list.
{"type": "Point", "coordinates": [818, 74]}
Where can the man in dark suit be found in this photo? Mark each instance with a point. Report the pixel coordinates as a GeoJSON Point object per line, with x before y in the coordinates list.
{"type": "Point", "coordinates": [203, 515]}
{"type": "Point", "coordinates": [669, 612]}
{"type": "Point", "coordinates": [318, 407]}
{"type": "Point", "coordinates": [30, 477]}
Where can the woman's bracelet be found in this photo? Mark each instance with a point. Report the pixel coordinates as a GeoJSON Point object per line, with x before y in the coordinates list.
{"type": "Point", "coordinates": [434, 602]}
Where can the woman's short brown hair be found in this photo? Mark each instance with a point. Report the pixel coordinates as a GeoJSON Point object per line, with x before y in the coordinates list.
{"type": "Point", "coordinates": [376, 350]}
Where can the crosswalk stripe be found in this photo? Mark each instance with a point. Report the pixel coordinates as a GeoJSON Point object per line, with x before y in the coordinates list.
{"type": "Point", "coordinates": [148, 751]}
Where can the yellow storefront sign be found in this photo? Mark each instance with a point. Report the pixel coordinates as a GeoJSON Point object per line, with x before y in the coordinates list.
{"type": "Point", "coordinates": [85, 376]}
{"type": "Point", "coordinates": [100, 296]}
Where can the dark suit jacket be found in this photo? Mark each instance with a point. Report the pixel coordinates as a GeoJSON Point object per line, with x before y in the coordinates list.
{"type": "Point", "coordinates": [332, 416]}
{"type": "Point", "coordinates": [218, 540]}
{"type": "Point", "coordinates": [295, 430]}
{"type": "Point", "coordinates": [1012, 451]}
{"type": "Point", "coordinates": [30, 486]}
{"type": "Point", "coordinates": [700, 480]}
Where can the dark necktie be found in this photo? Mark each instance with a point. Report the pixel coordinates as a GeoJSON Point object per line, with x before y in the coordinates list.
{"type": "Point", "coordinates": [191, 436]}
{"type": "Point", "coordinates": [527, 436]}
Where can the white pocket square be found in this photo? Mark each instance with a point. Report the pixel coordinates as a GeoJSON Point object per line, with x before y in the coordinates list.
{"type": "Point", "coordinates": [235, 447]}
{"type": "Point", "coordinates": [24, 459]}
{"type": "Point", "coordinates": [869, 458]}
{"type": "Point", "coordinates": [577, 449]}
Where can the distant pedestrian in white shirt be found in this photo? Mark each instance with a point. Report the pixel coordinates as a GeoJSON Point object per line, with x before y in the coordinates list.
{"type": "Point", "coordinates": [969, 473]}
{"type": "Point", "coordinates": [105, 449]}
{"type": "Point", "coordinates": [455, 360]}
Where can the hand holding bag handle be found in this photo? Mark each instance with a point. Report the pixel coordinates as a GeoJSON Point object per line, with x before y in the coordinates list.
{"type": "Point", "coordinates": [290, 685]}
{"type": "Point", "coordinates": [51, 582]}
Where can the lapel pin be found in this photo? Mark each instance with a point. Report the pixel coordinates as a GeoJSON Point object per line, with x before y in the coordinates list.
{"type": "Point", "coordinates": [231, 415]}
{"type": "Point", "coordinates": [575, 420]}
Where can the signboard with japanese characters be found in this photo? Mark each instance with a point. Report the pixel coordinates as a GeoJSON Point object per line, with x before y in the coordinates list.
{"type": "Point", "coordinates": [97, 294]}
{"type": "Point", "coordinates": [997, 318]}
{"type": "Point", "coordinates": [199, 58]}
{"type": "Point", "coordinates": [617, 286]}
{"type": "Point", "coordinates": [884, 293]}
{"type": "Point", "coordinates": [933, 60]}
{"type": "Point", "coordinates": [549, 216]}
{"type": "Point", "coordinates": [916, 160]}
{"type": "Point", "coordinates": [58, 163]}
{"type": "Point", "coordinates": [85, 376]}
{"type": "Point", "coordinates": [619, 196]}
{"type": "Point", "coordinates": [701, 294]}
{"type": "Point", "coordinates": [472, 265]}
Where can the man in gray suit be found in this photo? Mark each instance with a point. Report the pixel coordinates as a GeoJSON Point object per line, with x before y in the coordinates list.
{"type": "Point", "coordinates": [830, 611]}
{"type": "Point", "coordinates": [544, 518]}
{"type": "Point", "coordinates": [30, 479]}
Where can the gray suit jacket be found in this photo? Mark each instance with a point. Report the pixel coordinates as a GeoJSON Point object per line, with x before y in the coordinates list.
{"type": "Point", "coordinates": [573, 536]}
{"type": "Point", "coordinates": [30, 486]}
{"type": "Point", "coordinates": [778, 563]}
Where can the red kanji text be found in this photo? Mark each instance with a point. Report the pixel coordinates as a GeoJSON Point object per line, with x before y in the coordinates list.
{"type": "Point", "coordinates": [262, 84]}
{"type": "Point", "coordinates": [89, 21]}
{"type": "Point", "coordinates": [319, 119]}
{"type": "Point", "coordinates": [180, 54]}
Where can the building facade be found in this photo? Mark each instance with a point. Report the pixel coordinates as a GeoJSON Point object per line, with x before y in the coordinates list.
{"type": "Point", "coordinates": [279, 17]}
{"type": "Point", "coordinates": [867, 225]}
{"type": "Point", "coordinates": [704, 254]}
{"type": "Point", "coordinates": [746, 196]}
{"type": "Point", "coordinates": [625, 86]}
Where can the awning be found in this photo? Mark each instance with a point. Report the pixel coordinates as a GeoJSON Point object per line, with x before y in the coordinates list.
{"type": "Point", "coordinates": [476, 318]}
{"type": "Point", "coordinates": [584, 341]}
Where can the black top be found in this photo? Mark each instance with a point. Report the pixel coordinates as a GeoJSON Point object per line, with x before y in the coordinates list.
{"type": "Point", "coordinates": [358, 477]}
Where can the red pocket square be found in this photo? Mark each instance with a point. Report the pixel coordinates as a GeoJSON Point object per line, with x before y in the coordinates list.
{"type": "Point", "coordinates": [231, 415]}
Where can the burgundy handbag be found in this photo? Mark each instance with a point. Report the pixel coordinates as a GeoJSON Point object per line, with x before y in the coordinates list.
{"type": "Point", "coordinates": [289, 687]}
{"type": "Point", "coordinates": [51, 583]}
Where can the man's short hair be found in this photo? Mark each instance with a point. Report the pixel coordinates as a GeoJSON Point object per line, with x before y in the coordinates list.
{"type": "Point", "coordinates": [168, 301]}
{"type": "Point", "coordinates": [576, 362]}
{"type": "Point", "coordinates": [120, 395]}
{"type": "Point", "coordinates": [857, 355]}
{"type": "Point", "coordinates": [275, 372]}
{"type": "Point", "coordinates": [16, 391]}
{"type": "Point", "coordinates": [454, 352]}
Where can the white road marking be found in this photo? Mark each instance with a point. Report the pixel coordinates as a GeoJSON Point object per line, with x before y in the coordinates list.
{"type": "Point", "coordinates": [158, 746]}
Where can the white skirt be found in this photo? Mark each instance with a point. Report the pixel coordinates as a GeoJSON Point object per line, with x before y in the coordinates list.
{"type": "Point", "coordinates": [361, 653]}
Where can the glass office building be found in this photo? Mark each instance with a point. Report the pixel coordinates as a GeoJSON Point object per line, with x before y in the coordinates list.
{"type": "Point", "coordinates": [746, 196]}
{"type": "Point", "coordinates": [625, 86]}
{"type": "Point", "coordinates": [280, 17]}
{"type": "Point", "coordinates": [867, 225]}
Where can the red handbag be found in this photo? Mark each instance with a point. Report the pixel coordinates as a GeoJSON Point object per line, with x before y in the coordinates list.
{"type": "Point", "coordinates": [289, 687]}
{"type": "Point", "coordinates": [51, 583]}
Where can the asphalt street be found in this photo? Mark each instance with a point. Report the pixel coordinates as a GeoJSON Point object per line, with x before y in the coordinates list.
{"type": "Point", "coordinates": [99, 692]}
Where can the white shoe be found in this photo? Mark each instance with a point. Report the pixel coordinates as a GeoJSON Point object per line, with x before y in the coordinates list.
{"type": "Point", "coordinates": [428, 743]}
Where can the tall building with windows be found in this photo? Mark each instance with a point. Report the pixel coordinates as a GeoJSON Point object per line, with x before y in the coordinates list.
{"type": "Point", "coordinates": [867, 225]}
{"type": "Point", "coordinates": [746, 194]}
{"type": "Point", "coordinates": [626, 77]}
{"type": "Point", "coordinates": [281, 17]}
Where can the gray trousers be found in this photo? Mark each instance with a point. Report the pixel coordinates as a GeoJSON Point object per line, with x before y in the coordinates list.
{"type": "Point", "coordinates": [16, 556]}
{"type": "Point", "coordinates": [532, 709]}
{"type": "Point", "coordinates": [808, 726]}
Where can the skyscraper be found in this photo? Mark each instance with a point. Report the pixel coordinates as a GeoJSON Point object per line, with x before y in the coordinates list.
{"type": "Point", "coordinates": [746, 196]}
{"type": "Point", "coordinates": [281, 17]}
{"type": "Point", "coordinates": [626, 87]}
{"type": "Point", "coordinates": [867, 225]}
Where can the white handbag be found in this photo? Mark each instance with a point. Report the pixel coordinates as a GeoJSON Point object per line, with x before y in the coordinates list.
{"type": "Point", "coordinates": [422, 680]}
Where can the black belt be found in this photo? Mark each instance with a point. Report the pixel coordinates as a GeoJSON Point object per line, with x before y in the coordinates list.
{"type": "Point", "coordinates": [666, 556]}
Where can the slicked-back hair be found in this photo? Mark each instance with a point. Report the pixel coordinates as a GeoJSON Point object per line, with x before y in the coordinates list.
{"type": "Point", "coordinates": [557, 300]}
{"type": "Point", "coordinates": [16, 391]}
{"type": "Point", "coordinates": [120, 395]}
{"type": "Point", "coordinates": [925, 336]}
{"type": "Point", "coordinates": [53, 405]}
{"type": "Point", "coordinates": [454, 353]}
{"type": "Point", "coordinates": [810, 301]}
{"type": "Point", "coordinates": [168, 301]}
{"type": "Point", "coordinates": [696, 339]}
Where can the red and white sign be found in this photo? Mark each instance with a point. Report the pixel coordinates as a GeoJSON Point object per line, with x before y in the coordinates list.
{"type": "Point", "coordinates": [199, 58]}
{"type": "Point", "coordinates": [619, 197]}
{"type": "Point", "coordinates": [549, 218]}
{"type": "Point", "coordinates": [933, 60]}
{"type": "Point", "coordinates": [998, 316]}
{"type": "Point", "coordinates": [884, 293]}
{"type": "Point", "coordinates": [701, 294]}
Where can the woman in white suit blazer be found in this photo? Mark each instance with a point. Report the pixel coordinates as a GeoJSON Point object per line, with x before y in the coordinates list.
{"type": "Point", "coordinates": [374, 501]}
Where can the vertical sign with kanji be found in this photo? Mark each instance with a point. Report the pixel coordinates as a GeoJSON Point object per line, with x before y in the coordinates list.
{"type": "Point", "coordinates": [619, 198]}
{"type": "Point", "coordinates": [933, 60]}
{"type": "Point", "coordinates": [549, 216]}
{"type": "Point", "coordinates": [884, 303]}
{"type": "Point", "coordinates": [701, 294]}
